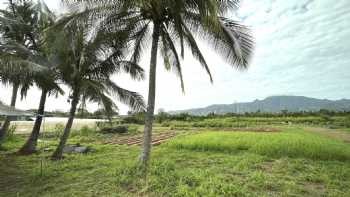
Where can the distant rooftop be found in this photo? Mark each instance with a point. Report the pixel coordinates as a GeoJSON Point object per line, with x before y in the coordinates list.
{"type": "Point", "coordinates": [10, 111]}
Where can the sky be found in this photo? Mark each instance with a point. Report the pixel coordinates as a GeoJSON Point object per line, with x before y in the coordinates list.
{"type": "Point", "coordinates": [302, 48]}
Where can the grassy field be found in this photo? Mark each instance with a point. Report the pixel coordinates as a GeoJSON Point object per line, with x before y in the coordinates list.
{"type": "Point", "coordinates": [289, 143]}
{"type": "Point", "coordinates": [288, 163]}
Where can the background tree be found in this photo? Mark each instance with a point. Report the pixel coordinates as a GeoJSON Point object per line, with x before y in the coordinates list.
{"type": "Point", "coordinates": [170, 22]}
{"type": "Point", "coordinates": [162, 116]}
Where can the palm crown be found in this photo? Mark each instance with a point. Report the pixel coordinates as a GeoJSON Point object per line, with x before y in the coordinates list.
{"type": "Point", "coordinates": [22, 53]}
{"type": "Point", "coordinates": [87, 62]}
{"type": "Point", "coordinates": [179, 22]}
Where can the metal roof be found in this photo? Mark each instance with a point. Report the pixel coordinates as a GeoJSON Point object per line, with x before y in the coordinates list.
{"type": "Point", "coordinates": [10, 111]}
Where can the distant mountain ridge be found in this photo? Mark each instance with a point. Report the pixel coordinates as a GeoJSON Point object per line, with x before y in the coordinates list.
{"type": "Point", "coordinates": [273, 104]}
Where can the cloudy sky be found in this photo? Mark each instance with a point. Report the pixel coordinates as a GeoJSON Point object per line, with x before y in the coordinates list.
{"type": "Point", "coordinates": [303, 48]}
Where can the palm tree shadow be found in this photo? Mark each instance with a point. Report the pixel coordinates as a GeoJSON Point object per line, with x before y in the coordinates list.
{"type": "Point", "coordinates": [12, 174]}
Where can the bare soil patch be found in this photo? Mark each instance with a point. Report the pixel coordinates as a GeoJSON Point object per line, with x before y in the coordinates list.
{"type": "Point", "coordinates": [335, 134]}
{"type": "Point", "coordinates": [315, 189]}
{"type": "Point", "coordinates": [157, 139]}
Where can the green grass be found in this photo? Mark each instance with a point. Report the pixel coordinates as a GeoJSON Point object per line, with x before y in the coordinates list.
{"type": "Point", "coordinates": [286, 144]}
{"type": "Point", "coordinates": [112, 170]}
{"type": "Point", "coordinates": [238, 122]}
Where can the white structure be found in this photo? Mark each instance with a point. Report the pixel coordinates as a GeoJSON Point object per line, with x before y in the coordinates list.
{"type": "Point", "coordinates": [12, 112]}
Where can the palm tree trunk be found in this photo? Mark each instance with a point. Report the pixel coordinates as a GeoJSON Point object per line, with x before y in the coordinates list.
{"type": "Point", "coordinates": [12, 7]}
{"type": "Point", "coordinates": [6, 124]}
{"type": "Point", "coordinates": [58, 154]}
{"type": "Point", "coordinates": [149, 118]}
{"type": "Point", "coordinates": [30, 146]}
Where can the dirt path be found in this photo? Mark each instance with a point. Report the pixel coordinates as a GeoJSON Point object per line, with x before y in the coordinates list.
{"type": "Point", "coordinates": [332, 133]}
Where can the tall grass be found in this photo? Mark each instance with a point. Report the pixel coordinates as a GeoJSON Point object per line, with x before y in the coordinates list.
{"type": "Point", "coordinates": [284, 144]}
{"type": "Point", "coordinates": [237, 122]}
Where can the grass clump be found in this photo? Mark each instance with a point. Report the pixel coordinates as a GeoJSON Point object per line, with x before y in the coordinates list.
{"type": "Point", "coordinates": [294, 144]}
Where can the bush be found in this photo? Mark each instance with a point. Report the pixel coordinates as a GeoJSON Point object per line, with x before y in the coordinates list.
{"type": "Point", "coordinates": [161, 117]}
{"type": "Point", "coordinates": [56, 132]}
{"type": "Point", "coordinates": [133, 128]}
{"type": "Point", "coordinates": [84, 131]}
{"type": "Point", "coordinates": [347, 122]}
{"type": "Point", "coordinates": [114, 129]}
{"type": "Point", "coordinates": [138, 118]}
{"type": "Point", "coordinates": [165, 124]}
{"type": "Point", "coordinates": [11, 132]}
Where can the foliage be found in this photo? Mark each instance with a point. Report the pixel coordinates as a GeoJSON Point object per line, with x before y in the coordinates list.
{"type": "Point", "coordinates": [11, 132]}
{"type": "Point", "coordinates": [347, 122]}
{"type": "Point", "coordinates": [56, 131]}
{"type": "Point", "coordinates": [23, 54]}
{"type": "Point", "coordinates": [114, 129]}
{"type": "Point", "coordinates": [135, 118]}
{"type": "Point", "coordinates": [331, 119]}
{"type": "Point", "coordinates": [100, 56]}
{"type": "Point", "coordinates": [161, 117]}
{"type": "Point", "coordinates": [85, 131]}
{"type": "Point", "coordinates": [173, 23]}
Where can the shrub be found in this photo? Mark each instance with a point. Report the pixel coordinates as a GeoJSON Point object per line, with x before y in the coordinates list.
{"type": "Point", "coordinates": [138, 118]}
{"type": "Point", "coordinates": [347, 122]}
{"type": "Point", "coordinates": [133, 128]}
{"type": "Point", "coordinates": [56, 132]}
{"type": "Point", "coordinates": [161, 117]}
{"type": "Point", "coordinates": [114, 129]}
{"type": "Point", "coordinates": [84, 131]}
{"type": "Point", "coordinates": [165, 124]}
{"type": "Point", "coordinates": [11, 132]}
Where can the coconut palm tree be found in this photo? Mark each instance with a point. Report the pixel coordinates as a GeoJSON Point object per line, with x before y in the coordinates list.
{"type": "Point", "coordinates": [175, 23]}
{"type": "Point", "coordinates": [29, 61]}
{"type": "Point", "coordinates": [87, 61]}
{"type": "Point", "coordinates": [16, 27]}
{"type": "Point", "coordinates": [13, 33]}
{"type": "Point", "coordinates": [47, 79]}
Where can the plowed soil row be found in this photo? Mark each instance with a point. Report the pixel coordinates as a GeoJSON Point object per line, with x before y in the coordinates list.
{"type": "Point", "coordinates": [157, 139]}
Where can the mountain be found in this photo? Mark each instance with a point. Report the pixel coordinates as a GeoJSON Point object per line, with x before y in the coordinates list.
{"type": "Point", "coordinates": [274, 104]}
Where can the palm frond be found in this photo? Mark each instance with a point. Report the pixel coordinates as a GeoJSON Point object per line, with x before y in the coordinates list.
{"type": "Point", "coordinates": [231, 40]}
{"type": "Point", "coordinates": [169, 51]}
{"type": "Point", "coordinates": [196, 52]}
{"type": "Point", "coordinates": [132, 99]}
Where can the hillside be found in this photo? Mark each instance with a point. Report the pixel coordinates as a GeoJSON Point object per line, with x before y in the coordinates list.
{"type": "Point", "coordinates": [274, 104]}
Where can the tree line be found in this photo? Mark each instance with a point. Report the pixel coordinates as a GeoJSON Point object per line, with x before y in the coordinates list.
{"type": "Point", "coordinates": [162, 116]}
